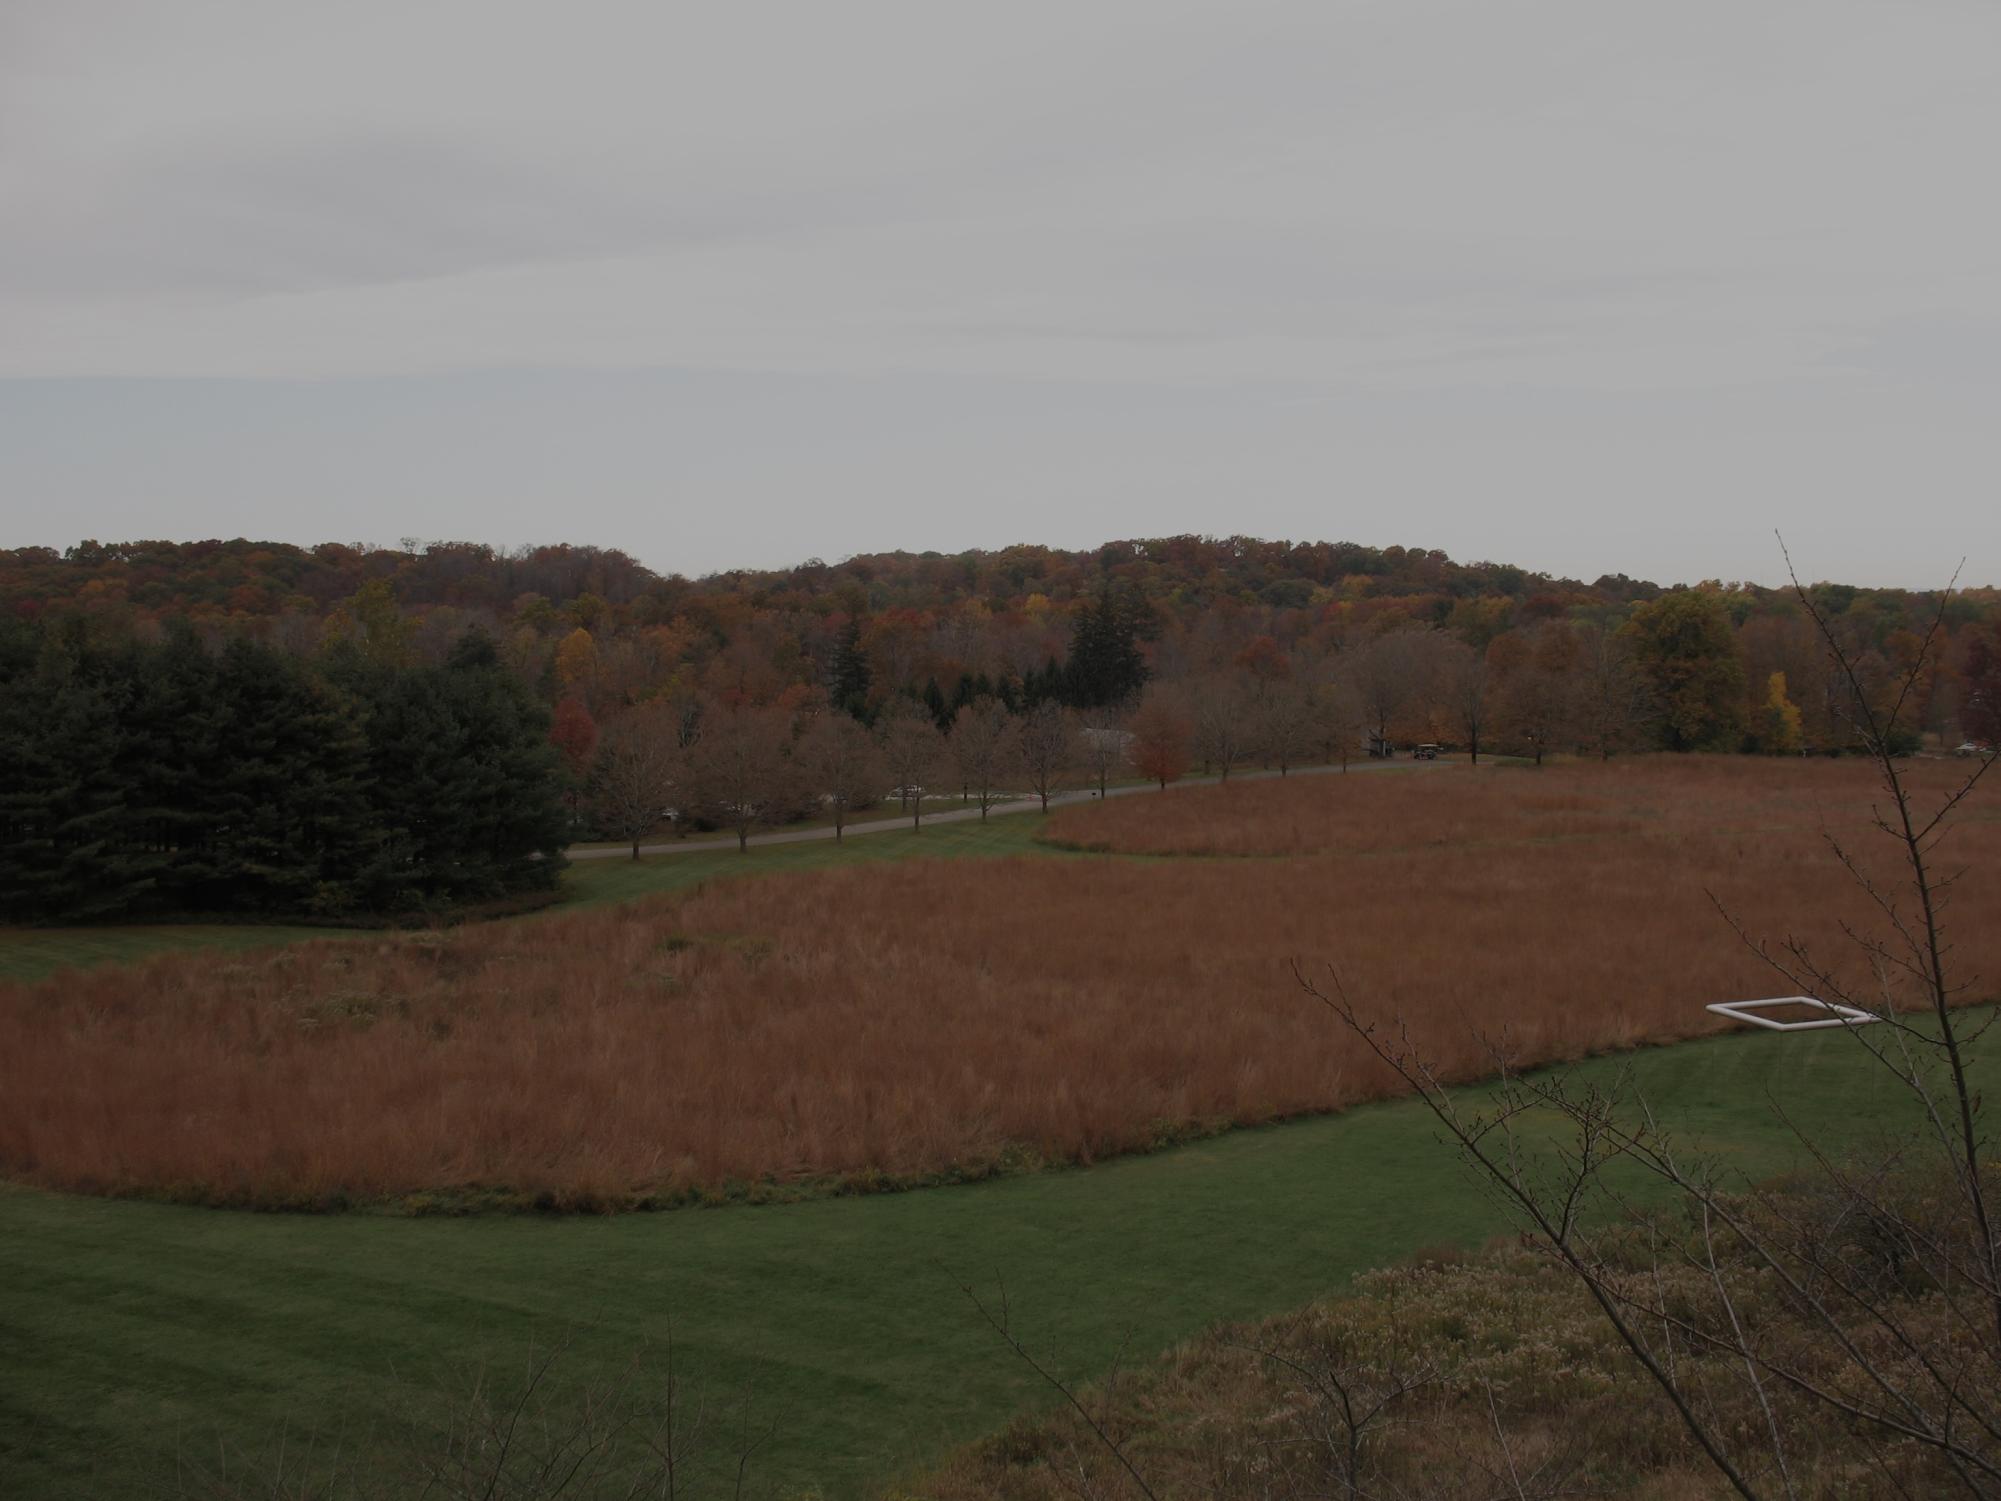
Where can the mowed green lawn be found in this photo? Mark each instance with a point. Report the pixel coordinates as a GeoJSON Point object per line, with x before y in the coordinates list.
{"type": "Point", "coordinates": [133, 1332]}
{"type": "Point", "coordinates": [33, 953]}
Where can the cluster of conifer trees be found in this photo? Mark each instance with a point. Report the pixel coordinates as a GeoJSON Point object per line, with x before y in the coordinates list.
{"type": "Point", "coordinates": [167, 779]}
{"type": "Point", "coordinates": [1106, 665]}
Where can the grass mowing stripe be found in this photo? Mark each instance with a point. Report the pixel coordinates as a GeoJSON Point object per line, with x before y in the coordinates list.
{"type": "Point", "coordinates": [844, 1316]}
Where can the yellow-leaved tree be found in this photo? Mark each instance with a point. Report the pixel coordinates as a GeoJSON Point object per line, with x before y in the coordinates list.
{"type": "Point", "coordinates": [1779, 723]}
{"type": "Point", "coordinates": [577, 664]}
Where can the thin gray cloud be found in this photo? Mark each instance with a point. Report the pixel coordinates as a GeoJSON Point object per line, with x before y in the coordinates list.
{"type": "Point", "coordinates": [1936, 349]}
{"type": "Point", "coordinates": [1756, 231]}
{"type": "Point", "coordinates": [1323, 191]}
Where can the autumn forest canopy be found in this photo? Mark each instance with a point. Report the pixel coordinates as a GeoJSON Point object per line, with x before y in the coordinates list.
{"type": "Point", "coordinates": [345, 731]}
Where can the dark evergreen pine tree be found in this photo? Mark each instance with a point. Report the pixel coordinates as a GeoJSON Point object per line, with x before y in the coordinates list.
{"type": "Point", "coordinates": [849, 681]}
{"type": "Point", "coordinates": [511, 795]}
{"type": "Point", "coordinates": [935, 704]}
{"type": "Point", "coordinates": [173, 779]}
{"type": "Point", "coordinates": [1041, 684]}
{"type": "Point", "coordinates": [331, 809]}
{"type": "Point", "coordinates": [292, 804]}
{"type": "Point", "coordinates": [64, 795]}
{"type": "Point", "coordinates": [178, 743]}
{"type": "Point", "coordinates": [1105, 665]}
{"type": "Point", "coordinates": [468, 787]}
{"type": "Point", "coordinates": [412, 754]}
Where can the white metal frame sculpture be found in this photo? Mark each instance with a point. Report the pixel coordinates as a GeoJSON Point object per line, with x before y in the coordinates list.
{"type": "Point", "coordinates": [1838, 1015]}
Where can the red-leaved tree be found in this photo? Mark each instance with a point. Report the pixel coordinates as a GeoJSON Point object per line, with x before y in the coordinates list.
{"type": "Point", "coordinates": [575, 734]}
{"type": "Point", "coordinates": [1163, 736]}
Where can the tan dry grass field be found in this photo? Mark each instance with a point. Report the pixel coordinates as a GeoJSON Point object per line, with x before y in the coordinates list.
{"type": "Point", "coordinates": [1473, 808]}
{"type": "Point", "coordinates": [926, 1017]}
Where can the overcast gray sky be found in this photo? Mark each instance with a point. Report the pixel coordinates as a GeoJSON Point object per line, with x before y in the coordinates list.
{"type": "Point", "coordinates": [1585, 285]}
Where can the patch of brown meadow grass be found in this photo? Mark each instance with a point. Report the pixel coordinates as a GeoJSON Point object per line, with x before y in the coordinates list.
{"type": "Point", "coordinates": [1374, 811]}
{"type": "Point", "coordinates": [894, 1022]}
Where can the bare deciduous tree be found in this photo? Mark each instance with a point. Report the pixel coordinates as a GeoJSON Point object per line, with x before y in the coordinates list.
{"type": "Point", "coordinates": [986, 749]}
{"type": "Point", "coordinates": [1048, 748]}
{"type": "Point", "coordinates": [741, 767]}
{"type": "Point", "coordinates": [1285, 727]}
{"type": "Point", "coordinates": [912, 749]}
{"type": "Point", "coordinates": [637, 773]}
{"type": "Point", "coordinates": [1537, 705]}
{"type": "Point", "coordinates": [1221, 707]}
{"type": "Point", "coordinates": [844, 765]}
{"type": "Point", "coordinates": [1612, 693]}
{"type": "Point", "coordinates": [1102, 739]}
{"type": "Point", "coordinates": [1385, 675]}
{"type": "Point", "coordinates": [1337, 710]}
{"type": "Point", "coordinates": [1352, 1388]}
{"type": "Point", "coordinates": [1461, 681]}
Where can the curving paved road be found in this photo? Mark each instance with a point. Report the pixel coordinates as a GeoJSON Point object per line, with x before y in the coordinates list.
{"type": "Point", "coordinates": [1026, 804]}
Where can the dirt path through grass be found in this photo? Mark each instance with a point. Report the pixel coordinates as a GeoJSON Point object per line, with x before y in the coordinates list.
{"type": "Point", "coordinates": [131, 1329]}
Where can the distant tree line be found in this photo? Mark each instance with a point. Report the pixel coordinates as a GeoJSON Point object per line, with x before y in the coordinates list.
{"type": "Point", "coordinates": [239, 727]}
{"type": "Point", "coordinates": [247, 577]}
{"type": "Point", "coordinates": [178, 778]}
{"type": "Point", "coordinates": [1030, 625]}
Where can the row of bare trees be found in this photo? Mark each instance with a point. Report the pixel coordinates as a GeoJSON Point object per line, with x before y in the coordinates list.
{"type": "Point", "coordinates": [1671, 676]}
{"type": "Point", "coordinates": [742, 768]}
{"type": "Point", "coordinates": [1674, 676]}
{"type": "Point", "coordinates": [1558, 686]}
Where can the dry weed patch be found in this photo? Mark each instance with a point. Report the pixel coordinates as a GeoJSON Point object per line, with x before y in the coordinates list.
{"type": "Point", "coordinates": [893, 1023]}
{"type": "Point", "coordinates": [1494, 1375]}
